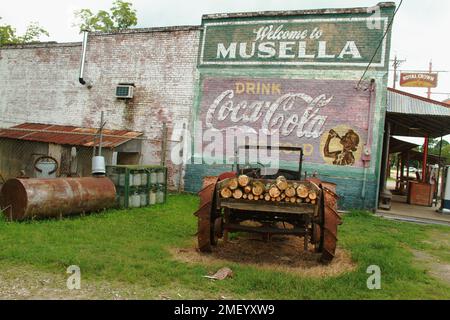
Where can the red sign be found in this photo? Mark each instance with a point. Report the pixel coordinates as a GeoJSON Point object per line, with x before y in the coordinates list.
{"type": "Point", "coordinates": [420, 80]}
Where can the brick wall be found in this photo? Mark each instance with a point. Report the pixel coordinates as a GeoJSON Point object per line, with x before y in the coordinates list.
{"type": "Point", "coordinates": [39, 83]}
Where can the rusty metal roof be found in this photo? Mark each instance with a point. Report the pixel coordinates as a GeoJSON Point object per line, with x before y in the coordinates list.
{"type": "Point", "coordinates": [416, 116]}
{"type": "Point", "coordinates": [68, 135]}
{"type": "Point", "coordinates": [404, 102]}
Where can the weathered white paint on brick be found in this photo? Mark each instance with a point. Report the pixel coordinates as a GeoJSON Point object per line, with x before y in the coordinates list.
{"type": "Point", "coordinates": [39, 83]}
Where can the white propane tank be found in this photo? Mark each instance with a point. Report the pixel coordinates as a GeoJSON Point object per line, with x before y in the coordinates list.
{"type": "Point", "coordinates": [161, 177]}
{"type": "Point", "coordinates": [136, 179]}
{"type": "Point", "coordinates": [152, 197]}
{"type": "Point", "coordinates": [160, 196]}
{"type": "Point", "coordinates": [143, 199]}
{"type": "Point", "coordinates": [98, 165]}
{"type": "Point", "coordinates": [153, 177]}
{"type": "Point", "coordinates": [144, 179]}
{"type": "Point", "coordinates": [131, 179]}
{"type": "Point", "coordinates": [135, 201]}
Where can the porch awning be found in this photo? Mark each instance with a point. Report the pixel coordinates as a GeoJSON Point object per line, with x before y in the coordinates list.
{"type": "Point", "coordinates": [67, 135]}
{"type": "Point", "coordinates": [416, 116]}
{"type": "Point", "coordinates": [396, 145]}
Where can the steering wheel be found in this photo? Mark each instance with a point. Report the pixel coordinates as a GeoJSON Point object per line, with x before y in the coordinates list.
{"type": "Point", "coordinates": [46, 158]}
{"type": "Point", "coordinates": [252, 172]}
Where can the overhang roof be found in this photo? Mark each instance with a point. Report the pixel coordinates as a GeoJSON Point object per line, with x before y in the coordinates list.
{"type": "Point", "coordinates": [396, 145]}
{"type": "Point", "coordinates": [416, 116]}
{"type": "Point", "coordinates": [67, 135]}
{"type": "Point", "coordinates": [400, 146]}
{"type": "Point", "coordinates": [431, 158]}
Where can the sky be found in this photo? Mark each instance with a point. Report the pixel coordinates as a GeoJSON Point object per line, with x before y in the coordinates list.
{"type": "Point", "coordinates": [420, 30]}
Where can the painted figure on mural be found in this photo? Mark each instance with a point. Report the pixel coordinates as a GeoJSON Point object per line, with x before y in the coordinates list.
{"type": "Point", "coordinates": [349, 142]}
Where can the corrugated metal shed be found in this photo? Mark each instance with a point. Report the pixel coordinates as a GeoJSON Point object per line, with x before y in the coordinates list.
{"type": "Point", "coordinates": [416, 116]}
{"type": "Point", "coordinates": [67, 135]}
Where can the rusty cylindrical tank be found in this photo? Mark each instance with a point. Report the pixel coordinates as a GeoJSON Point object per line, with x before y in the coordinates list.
{"type": "Point", "coordinates": [42, 198]}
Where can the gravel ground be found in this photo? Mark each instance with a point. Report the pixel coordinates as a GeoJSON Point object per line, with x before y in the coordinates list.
{"type": "Point", "coordinates": [26, 283]}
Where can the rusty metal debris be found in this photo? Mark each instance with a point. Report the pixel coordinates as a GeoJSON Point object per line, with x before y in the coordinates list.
{"type": "Point", "coordinates": [45, 198]}
{"type": "Point", "coordinates": [221, 274]}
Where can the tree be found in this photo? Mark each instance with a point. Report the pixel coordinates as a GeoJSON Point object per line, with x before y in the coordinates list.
{"type": "Point", "coordinates": [121, 16]}
{"type": "Point", "coordinates": [446, 153]}
{"type": "Point", "coordinates": [434, 145]}
{"type": "Point", "coordinates": [33, 33]}
{"type": "Point", "coordinates": [433, 148]}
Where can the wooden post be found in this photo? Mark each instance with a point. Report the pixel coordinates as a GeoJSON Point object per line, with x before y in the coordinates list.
{"type": "Point", "coordinates": [305, 241]}
{"type": "Point", "coordinates": [429, 88]}
{"type": "Point", "coordinates": [439, 170]}
{"type": "Point", "coordinates": [385, 157]}
{"type": "Point", "coordinates": [397, 173]}
{"type": "Point", "coordinates": [395, 71]}
{"type": "Point", "coordinates": [407, 166]}
{"type": "Point", "coordinates": [424, 162]}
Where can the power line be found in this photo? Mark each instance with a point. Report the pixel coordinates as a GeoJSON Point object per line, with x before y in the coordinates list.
{"type": "Point", "coordinates": [379, 44]}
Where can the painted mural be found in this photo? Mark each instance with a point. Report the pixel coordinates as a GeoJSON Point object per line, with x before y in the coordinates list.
{"type": "Point", "coordinates": [319, 42]}
{"type": "Point", "coordinates": [328, 118]}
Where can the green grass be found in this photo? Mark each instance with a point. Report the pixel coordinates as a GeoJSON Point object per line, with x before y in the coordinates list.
{"type": "Point", "coordinates": [131, 248]}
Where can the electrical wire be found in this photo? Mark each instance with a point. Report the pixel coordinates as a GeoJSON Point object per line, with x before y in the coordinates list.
{"type": "Point", "coordinates": [379, 44]}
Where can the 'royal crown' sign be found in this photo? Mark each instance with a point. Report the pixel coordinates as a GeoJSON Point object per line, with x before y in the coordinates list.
{"type": "Point", "coordinates": [419, 80]}
{"type": "Point", "coordinates": [327, 42]}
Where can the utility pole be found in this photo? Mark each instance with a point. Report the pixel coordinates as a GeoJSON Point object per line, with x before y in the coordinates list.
{"type": "Point", "coordinates": [396, 63]}
{"type": "Point", "coordinates": [429, 88]}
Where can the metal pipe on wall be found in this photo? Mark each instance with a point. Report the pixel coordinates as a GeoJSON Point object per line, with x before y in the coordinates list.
{"type": "Point", "coordinates": [366, 156]}
{"type": "Point", "coordinates": [83, 57]}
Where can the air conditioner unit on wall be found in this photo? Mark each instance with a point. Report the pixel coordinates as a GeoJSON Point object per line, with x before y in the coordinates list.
{"type": "Point", "coordinates": [124, 91]}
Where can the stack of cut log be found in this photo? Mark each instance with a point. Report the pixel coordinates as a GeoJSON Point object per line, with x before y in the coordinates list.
{"type": "Point", "coordinates": [279, 190]}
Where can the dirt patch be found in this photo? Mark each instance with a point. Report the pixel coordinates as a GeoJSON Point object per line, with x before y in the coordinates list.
{"type": "Point", "coordinates": [281, 253]}
{"type": "Point", "coordinates": [435, 267]}
{"type": "Point", "coordinates": [29, 283]}
{"type": "Point", "coordinates": [435, 259]}
{"type": "Point", "coordinates": [439, 240]}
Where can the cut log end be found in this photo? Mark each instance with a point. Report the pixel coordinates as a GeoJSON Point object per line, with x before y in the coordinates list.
{"type": "Point", "coordinates": [302, 191]}
{"type": "Point", "coordinates": [290, 192]}
{"type": "Point", "coordinates": [274, 192]}
{"type": "Point", "coordinates": [226, 193]}
{"type": "Point", "coordinates": [237, 194]}
{"type": "Point", "coordinates": [243, 180]}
